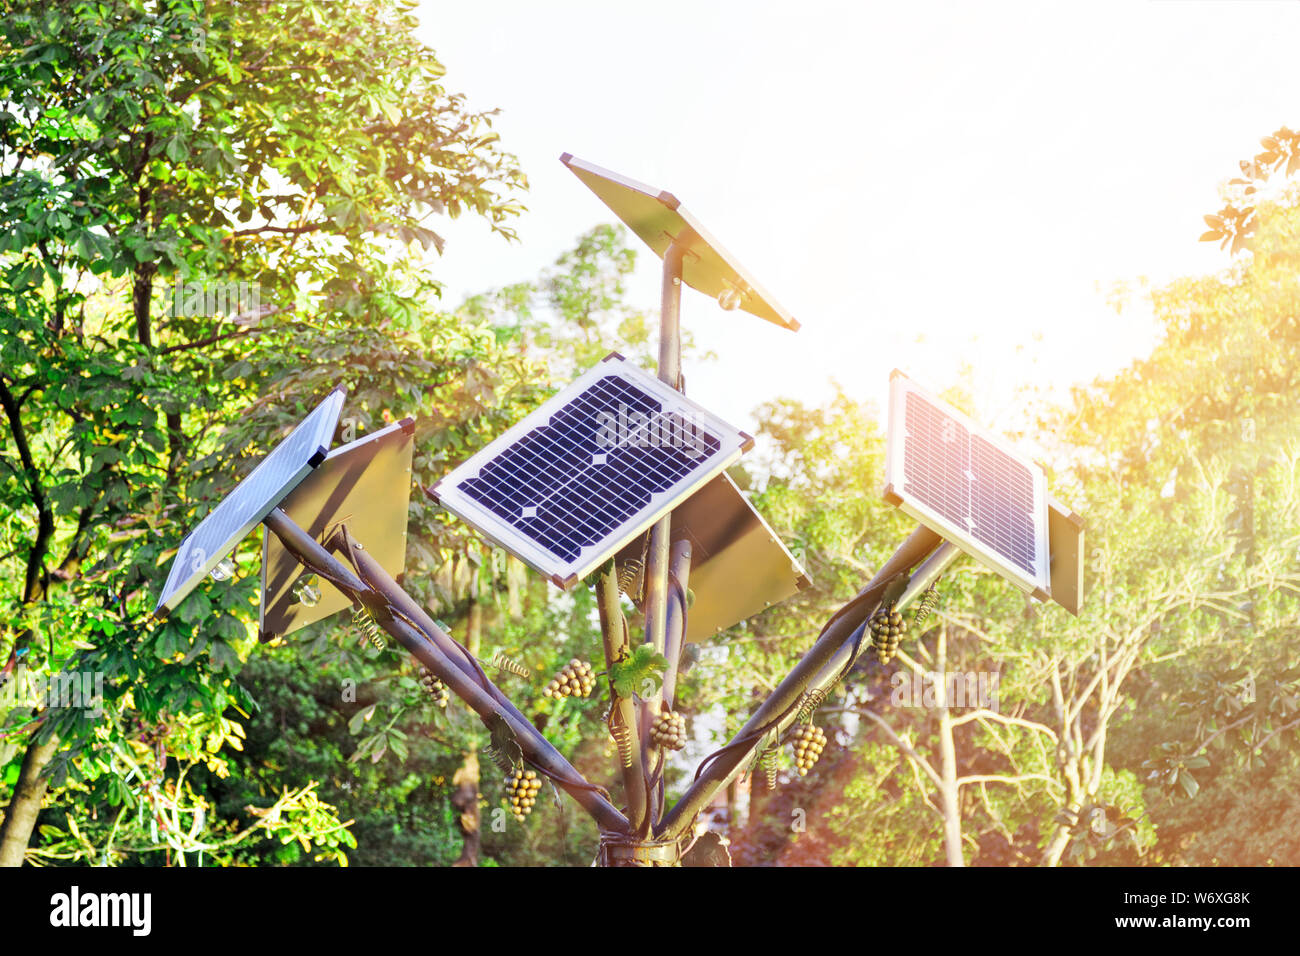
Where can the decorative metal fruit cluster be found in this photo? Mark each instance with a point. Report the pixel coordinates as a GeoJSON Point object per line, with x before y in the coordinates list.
{"type": "Point", "coordinates": [808, 741]}
{"type": "Point", "coordinates": [436, 688]}
{"type": "Point", "coordinates": [521, 789]}
{"type": "Point", "coordinates": [575, 679]}
{"type": "Point", "coordinates": [886, 630]}
{"type": "Point", "coordinates": [669, 730]}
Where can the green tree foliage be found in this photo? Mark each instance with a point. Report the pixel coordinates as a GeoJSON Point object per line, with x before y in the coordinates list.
{"type": "Point", "coordinates": [577, 312]}
{"type": "Point", "coordinates": [1122, 736]}
{"type": "Point", "coordinates": [145, 144]}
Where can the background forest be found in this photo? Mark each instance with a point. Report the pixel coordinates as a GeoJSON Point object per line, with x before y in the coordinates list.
{"type": "Point", "coordinates": [145, 144]}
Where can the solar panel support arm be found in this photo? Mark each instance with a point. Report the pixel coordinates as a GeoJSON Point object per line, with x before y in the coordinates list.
{"type": "Point", "coordinates": [486, 701]}
{"type": "Point", "coordinates": [728, 761]}
{"type": "Point", "coordinates": [925, 575]}
{"type": "Point", "coordinates": [670, 310]}
{"type": "Point", "coordinates": [374, 575]}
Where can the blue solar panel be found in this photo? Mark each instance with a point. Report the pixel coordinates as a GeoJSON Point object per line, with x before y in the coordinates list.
{"type": "Point", "coordinates": [251, 500]}
{"type": "Point", "coordinates": [571, 484]}
{"type": "Point", "coordinates": [567, 485]}
{"type": "Point", "coordinates": [970, 482]}
{"type": "Point", "coordinates": [968, 486]}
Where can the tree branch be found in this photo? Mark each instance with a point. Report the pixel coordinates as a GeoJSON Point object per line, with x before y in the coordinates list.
{"type": "Point", "coordinates": [44, 516]}
{"type": "Point", "coordinates": [983, 778]}
{"type": "Point", "coordinates": [899, 742]}
{"type": "Point", "coordinates": [1004, 719]}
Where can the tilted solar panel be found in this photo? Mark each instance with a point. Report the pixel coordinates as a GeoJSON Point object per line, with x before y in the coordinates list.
{"type": "Point", "coordinates": [600, 462]}
{"type": "Point", "coordinates": [968, 486]}
{"type": "Point", "coordinates": [364, 485]}
{"type": "Point", "coordinates": [252, 499]}
{"type": "Point", "coordinates": [658, 219]}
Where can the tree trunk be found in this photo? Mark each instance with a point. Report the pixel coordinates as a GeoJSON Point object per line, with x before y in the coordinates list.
{"type": "Point", "coordinates": [1055, 848]}
{"type": "Point", "coordinates": [466, 796]}
{"type": "Point", "coordinates": [948, 792]}
{"type": "Point", "coordinates": [20, 817]}
{"type": "Point", "coordinates": [948, 759]}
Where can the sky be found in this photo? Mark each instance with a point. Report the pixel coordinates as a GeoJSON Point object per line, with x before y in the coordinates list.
{"type": "Point", "coordinates": [925, 186]}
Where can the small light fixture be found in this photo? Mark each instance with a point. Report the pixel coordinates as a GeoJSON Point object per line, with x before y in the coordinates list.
{"type": "Point", "coordinates": [729, 299]}
{"type": "Point", "coordinates": [224, 570]}
{"type": "Point", "coordinates": [306, 591]}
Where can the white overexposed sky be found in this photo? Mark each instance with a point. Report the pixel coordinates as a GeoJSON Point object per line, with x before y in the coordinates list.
{"type": "Point", "coordinates": [921, 184]}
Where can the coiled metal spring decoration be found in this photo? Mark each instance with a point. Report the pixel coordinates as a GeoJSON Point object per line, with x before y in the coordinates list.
{"type": "Point", "coordinates": [622, 735]}
{"type": "Point", "coordinates": [628, 572]}
{"type": "Point", "coordinates": [809, 701]}
{"type": "Point", "coordinates": [929, 601]}
{"type": "Point", "coordinates": [503, 663]}
{"type": "Point", "coordinates": [767, 763]}
{"type": "Point", "coordinates": [503, 762]}
{"type": "Point", "coordinates": [362, 620]}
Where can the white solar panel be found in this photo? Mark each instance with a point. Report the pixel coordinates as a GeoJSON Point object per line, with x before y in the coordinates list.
{"type": "Point", "coordinates": [252, 499]}
{"type": "Point", "coordinates": [968, 485]}
{"type": "Point", "coordinates": [564, 489]}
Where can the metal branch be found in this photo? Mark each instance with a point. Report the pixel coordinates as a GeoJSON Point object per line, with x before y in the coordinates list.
{"type": "Point", "coordinates": [723, 764]}
{"type": "Point", "coordinates": [613, 629]}
{"type": "Point", "coordinates": [483, 698]}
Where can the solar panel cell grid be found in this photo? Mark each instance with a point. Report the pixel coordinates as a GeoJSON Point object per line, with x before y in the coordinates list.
{"type": "Point", "coordinates": [1002, 504]}
{"type": "Point", "coordinates": [591, 469]}
{"type": "Point", "coordinates": [967, 485]}
{"type": "Point", "coordinates": [568, 484]}
{"type": "Point", "coordinates": [970, 482]}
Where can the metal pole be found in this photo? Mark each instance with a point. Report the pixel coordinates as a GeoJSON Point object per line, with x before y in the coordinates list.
{"type": "Point", "coordinates": [675, 628]}
{"type": "Point", "coordinates": [375, 576]}
{"type": "Point", "coordinates": [623, 711]}
{"type": "Point", "coordinates": [483, 700]}
{"type": "Point", "coordinates": [674, 634]}
{"type": "Point", "coordinates": [919, 544]}
{"type": "Point", "coordinates": [655, 606]}
{"type": "Point", "coordinates": [670, 369]}
{"type": "Point", "coordinates": [845, 655]}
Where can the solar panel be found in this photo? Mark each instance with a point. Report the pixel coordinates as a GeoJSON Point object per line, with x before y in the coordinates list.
{"type": "Point", "coordinates": [596, 465]}
{"type": "Point", "coordinates": [968, 485]}
{"type": "Point", "coordinates": [252, 499]}
{"type": "Point", "coordinates": [365, 485]}
{"type": "Point", "coordinates": [739, 567]}
{"type": "Point", "coordinates": [658, 219]}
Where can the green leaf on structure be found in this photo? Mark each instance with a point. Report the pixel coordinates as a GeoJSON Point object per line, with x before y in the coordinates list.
{"type": "Point", "coordinates": [641, 673]}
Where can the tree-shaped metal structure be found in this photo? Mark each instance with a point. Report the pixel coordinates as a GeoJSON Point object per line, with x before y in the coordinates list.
{"type": "Point", "coordinates": [327, 509]}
